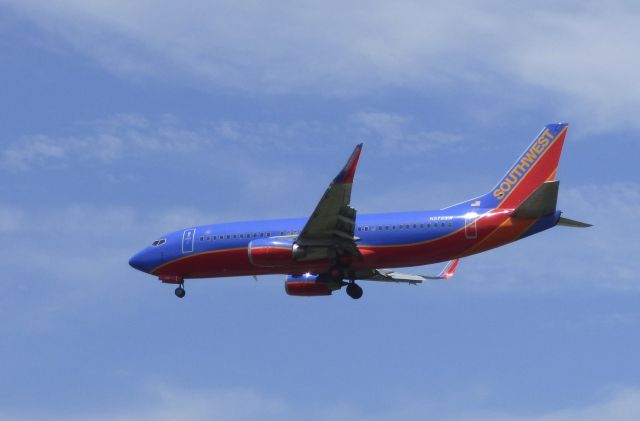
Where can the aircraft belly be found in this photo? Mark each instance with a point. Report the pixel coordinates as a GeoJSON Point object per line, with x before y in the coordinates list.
{"type": "Point", "coordinates": [230, 262]}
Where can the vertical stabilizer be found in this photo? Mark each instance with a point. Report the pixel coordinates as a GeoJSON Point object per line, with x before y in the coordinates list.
{"type": "Point", "coordinates": [537, 164]}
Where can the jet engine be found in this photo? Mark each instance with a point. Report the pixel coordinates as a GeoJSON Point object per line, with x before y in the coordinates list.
{"type": "Point", "coordinates": [309, 285]}
{"type": "Point", "coordinates": [273, 252]}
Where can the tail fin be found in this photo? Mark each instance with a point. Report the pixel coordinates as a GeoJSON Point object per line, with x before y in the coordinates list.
{"type": "Point", "coordinates": [538, 163]}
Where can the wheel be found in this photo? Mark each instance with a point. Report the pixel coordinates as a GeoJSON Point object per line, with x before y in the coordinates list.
{"type": "Point", "coordinates": [354, 290]}
{"type": "Point", "coordinates": [180, 292]}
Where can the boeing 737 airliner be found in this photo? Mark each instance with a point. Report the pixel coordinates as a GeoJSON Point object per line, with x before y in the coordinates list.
{"type": "Point", "coordinates": [335, 247]}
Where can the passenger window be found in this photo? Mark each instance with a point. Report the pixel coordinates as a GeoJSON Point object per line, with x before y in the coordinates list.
{"type": "Point", "coordinates": [386, 227]}
{"type": "Point", "coordinates": [366, 228]}
{"type": "Point", "coordinates": [268, 234]}
{"type": "Point", "coordinates": [421, 225]}
{"type": "Point", "coordinates": [228, 236]}
{"type": "Point", "coordinates": [262, 234]}
{"type": "Point", "coordinates": [380, 228]}
{"type": "Point", "coordinates": [214, 237]}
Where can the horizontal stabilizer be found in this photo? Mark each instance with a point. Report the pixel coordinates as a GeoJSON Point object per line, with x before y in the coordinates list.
{"type": "Point", "coordinates": [541, 202]}
{"type": "Point", "coordinates": [566, 222]}
{"type": "Point", "coordinates": [387, 275]}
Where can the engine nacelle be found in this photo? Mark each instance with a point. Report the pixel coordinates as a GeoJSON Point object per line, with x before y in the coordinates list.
{"type": "Point", "coordinates": [273, 252]}
{"type": "Point", "coordinates": [309, 285]}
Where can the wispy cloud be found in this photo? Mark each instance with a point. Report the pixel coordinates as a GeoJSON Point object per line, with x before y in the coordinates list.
{"type": "Point", "coordinates": [131, 135]}
{"type": "Point", "coordinates": [163, 402]}
{"type": "Point", "coordinates": [623, 405]}
{"type": "Point", "coordinates": [577, 58]}
{"type": "Point", "coordinates": [398, 134]}
{"type": "Point", "coordinates": [121, 136]}
{"type": "Point", "coordinates": [103, 141]}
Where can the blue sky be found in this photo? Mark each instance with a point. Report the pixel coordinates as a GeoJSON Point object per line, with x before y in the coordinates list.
{"type": "Point", "coordinates": [124, 120]}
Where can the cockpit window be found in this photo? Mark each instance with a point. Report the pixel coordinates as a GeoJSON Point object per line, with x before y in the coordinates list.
{"type": "Point", "coordinates": [158, 242]}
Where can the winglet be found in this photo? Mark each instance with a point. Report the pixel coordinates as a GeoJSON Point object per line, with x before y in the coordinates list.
{"type": "Point", "coordinates": [449, 270]}
{"type": "Point", "coordinates": [346, 175]}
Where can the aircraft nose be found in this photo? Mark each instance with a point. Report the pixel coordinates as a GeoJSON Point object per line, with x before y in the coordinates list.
{"type": "Point", "coordinates": [143, 261]}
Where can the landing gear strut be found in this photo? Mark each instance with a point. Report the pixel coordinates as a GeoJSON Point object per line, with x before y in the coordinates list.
{"type": "Point", "coordinates": [180, 292]}
{"type": "Point", "coordinates": [354, 290]}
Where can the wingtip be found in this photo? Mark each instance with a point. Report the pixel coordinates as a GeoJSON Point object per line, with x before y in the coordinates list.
{"type": "Point", "coordinates": [450, 269]}
{"type": "Point", "coordinates": [349, 170]}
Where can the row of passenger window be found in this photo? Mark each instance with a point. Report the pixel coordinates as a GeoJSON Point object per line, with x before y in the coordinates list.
{"type": "Point", "coordinates": [295, 232]}
{"type": "Point", "coordinates": [404, 226]}
{"type": "Point", "coordinates": [248, 235]}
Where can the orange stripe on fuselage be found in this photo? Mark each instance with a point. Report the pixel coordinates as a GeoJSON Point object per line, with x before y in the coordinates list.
{"type": "Point", "coordinates": [509, 230]}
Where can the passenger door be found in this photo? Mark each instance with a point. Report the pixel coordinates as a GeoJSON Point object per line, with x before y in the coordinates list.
{"type": "Point", "coordinates": [188, 239]}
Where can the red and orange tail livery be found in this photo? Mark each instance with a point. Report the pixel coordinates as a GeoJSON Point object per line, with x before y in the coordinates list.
{"type": "Point", "coordinates": [538, 163]}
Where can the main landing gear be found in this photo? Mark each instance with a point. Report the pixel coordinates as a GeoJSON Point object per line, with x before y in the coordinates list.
{"type": "Point", "coordinates": [339, 273]}
{"type": "Point", "coordinates": [354, 290]}
{"type": "Point", "coordinates": [180, 292]}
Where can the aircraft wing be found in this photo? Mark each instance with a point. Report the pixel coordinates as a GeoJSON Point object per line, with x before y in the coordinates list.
{"type": "Point", "coordinates": [386, 275]}
{"type": "Point", "coordinates": [329, 230]}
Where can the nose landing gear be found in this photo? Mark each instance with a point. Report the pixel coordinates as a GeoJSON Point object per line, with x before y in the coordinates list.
{"type": "Point", "coordinates": [180, 292]}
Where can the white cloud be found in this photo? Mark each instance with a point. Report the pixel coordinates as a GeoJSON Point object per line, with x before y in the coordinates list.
{"type": "Point", "coordinates": [170, 403]}
{"type": "Point", "coordinates": [131, 135]}
{"type": "Point", "coordinates": [396, 134]}
{"type": "Point", "coordinates": [582, 54]}
{"type": "Point", "coordinates": [622, 406]}
{"type": "Point", "coordinates": [101, 141]}
{"type": "Point", "coordinates": [166, 403]}
{"type": "Point", "coordinates": [126, 135]}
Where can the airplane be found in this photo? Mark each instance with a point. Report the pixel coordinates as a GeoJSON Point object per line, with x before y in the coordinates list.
{"type": "Point", "coordinates": [335, 246]}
